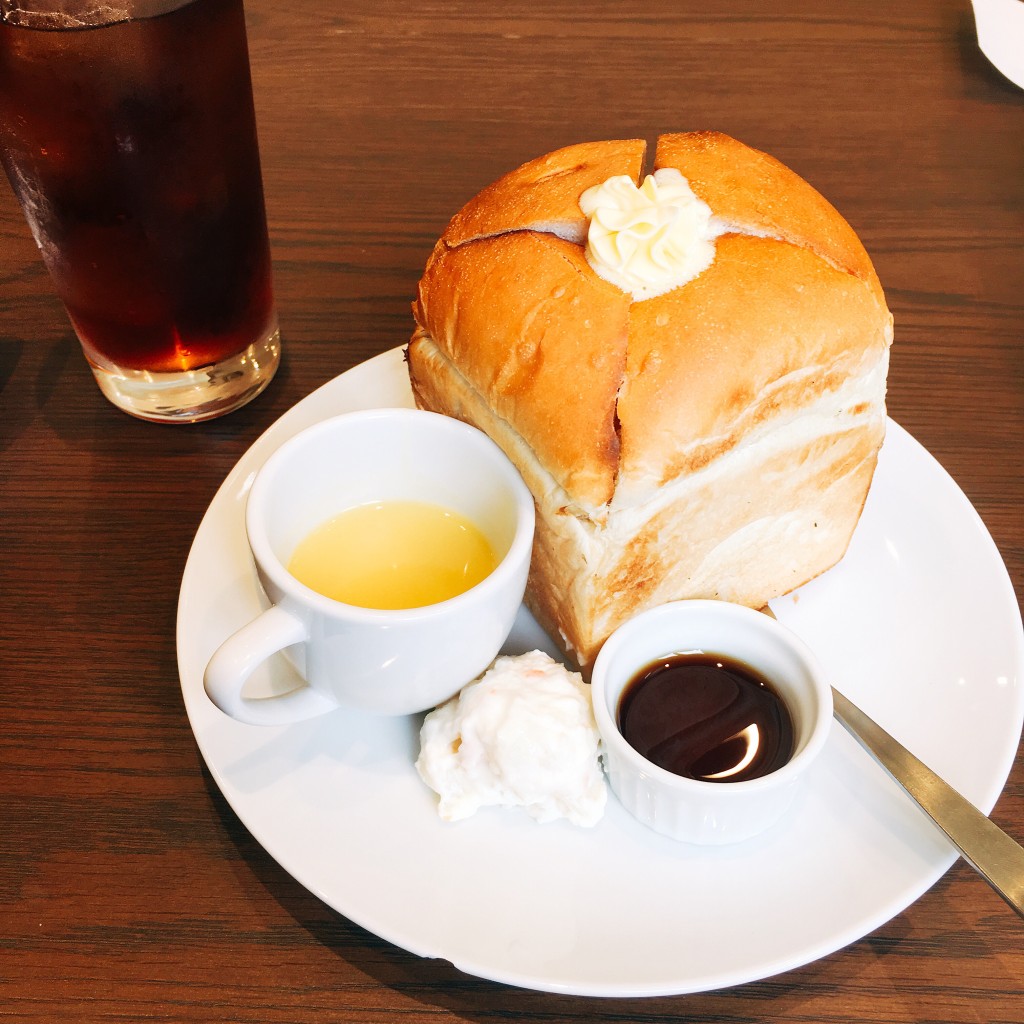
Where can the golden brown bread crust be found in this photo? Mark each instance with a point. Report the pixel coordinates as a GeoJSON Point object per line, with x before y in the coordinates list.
{"type": "Point", "coordinates": [551, 361]}
{"type": "Point", "coordinates": [715, 441]}
{"type": "Point", "coordinates": [756, 192]}
{"type": "Point", "coordinates": [544, 194]}
{"type": "Point", "coordinates": [762, 331]}
{"type": "Point", "coordinates": [756, 522]}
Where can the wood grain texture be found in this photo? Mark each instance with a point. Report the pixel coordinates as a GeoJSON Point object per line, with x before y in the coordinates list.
{"type": "Point", "coordinates": [128, 888]}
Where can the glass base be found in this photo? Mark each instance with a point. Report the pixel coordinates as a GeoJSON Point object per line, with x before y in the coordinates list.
{"type": "Point", "coordinates": [193, 395]}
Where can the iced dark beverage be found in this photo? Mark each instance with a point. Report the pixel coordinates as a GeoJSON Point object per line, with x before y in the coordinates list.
{"type": "Point", "coordinates": [132, 149]}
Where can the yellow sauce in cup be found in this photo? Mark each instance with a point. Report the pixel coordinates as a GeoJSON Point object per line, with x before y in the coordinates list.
{"type": "Point", "coordinates": [393, 554]}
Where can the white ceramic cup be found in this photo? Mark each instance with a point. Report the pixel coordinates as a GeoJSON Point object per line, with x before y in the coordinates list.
{"type": "Point", "coordinates": [687, 809]}
{"type": "Point", "coordinates": [388, 661]}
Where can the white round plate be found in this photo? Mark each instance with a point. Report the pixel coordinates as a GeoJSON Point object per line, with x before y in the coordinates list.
{"type": "Point", "coordinates": [1000, 28]}
{"type": "Point", "coordinates": [918, 624]}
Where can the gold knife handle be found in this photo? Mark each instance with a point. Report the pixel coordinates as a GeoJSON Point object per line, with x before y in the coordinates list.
{"type": "Point", "coordinates": [983, 844]}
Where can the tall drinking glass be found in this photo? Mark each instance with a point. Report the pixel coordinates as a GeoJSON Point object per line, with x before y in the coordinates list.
{"type": "Point", "coordinates": [128, 134]}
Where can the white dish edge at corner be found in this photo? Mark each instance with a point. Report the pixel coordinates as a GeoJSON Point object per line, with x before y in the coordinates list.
{"type": "Point", "coordinates": [1000, 28]}
{"type": "Point", "coordinates": [919, 625]}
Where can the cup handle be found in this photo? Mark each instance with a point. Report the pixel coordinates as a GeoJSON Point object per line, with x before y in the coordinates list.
{"type": "Point", "coordinates": [236, 659]}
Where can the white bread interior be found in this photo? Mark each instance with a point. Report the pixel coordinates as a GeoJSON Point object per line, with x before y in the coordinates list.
{"type": "Point", "coordinates": [717, 442]}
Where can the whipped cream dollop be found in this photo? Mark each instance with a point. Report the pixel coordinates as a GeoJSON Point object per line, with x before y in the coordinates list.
{"type": "Point", "coordinates": [651, 239]}
{"type": "Point", "coordinates": [522, 735]}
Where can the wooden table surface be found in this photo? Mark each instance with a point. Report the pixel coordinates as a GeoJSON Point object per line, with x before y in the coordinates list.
{"type": "Point", "coordinates": [129, 890]}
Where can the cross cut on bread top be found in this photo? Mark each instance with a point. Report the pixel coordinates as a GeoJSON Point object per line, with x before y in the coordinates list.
{"type": "Point", "coordinates": [578, 368]}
